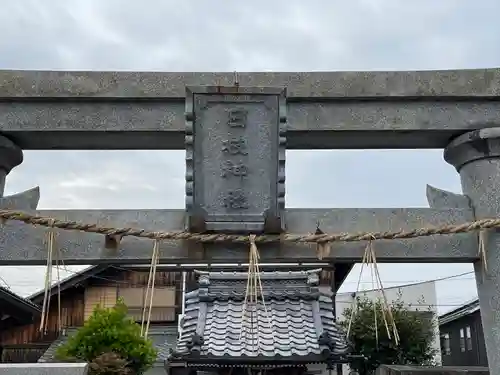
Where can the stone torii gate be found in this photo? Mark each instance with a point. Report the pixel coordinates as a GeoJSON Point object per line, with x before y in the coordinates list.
{"type": "Point", "coordinates": [235, 135]}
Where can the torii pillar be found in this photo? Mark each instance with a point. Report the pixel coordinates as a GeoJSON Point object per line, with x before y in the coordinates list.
{"type": "Point", "coordinates": [476, 156]}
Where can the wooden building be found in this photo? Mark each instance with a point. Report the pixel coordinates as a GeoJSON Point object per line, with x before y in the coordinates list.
{"type": "Point", "coordinates": [15, 313]}
{"type": "Point", "coordinates": [462, 338]}
{"type": "Point", "coordinates": [22, 341]}
{"type": "Point", "coordinates": [80, 294]}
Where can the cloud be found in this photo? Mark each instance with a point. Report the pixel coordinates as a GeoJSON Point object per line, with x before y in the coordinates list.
{"type": "Point", "coordinates": [224, 35]}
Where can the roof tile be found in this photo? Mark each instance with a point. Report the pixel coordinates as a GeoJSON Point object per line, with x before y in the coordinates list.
{"type": "Point", "coordinates": [295, 320]}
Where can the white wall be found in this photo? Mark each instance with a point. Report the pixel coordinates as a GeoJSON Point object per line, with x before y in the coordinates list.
{"type": "Point", "coordinates": [420, 296]}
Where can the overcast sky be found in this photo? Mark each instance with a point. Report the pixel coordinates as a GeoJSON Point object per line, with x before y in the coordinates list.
{"type": "Point", "coordinates": [252, 35]}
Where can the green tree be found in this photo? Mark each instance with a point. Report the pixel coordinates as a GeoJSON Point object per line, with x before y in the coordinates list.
{"type": "Point", "coordinates": [416, 335]}
{"type": "Point", "coordinates": [111, 342]}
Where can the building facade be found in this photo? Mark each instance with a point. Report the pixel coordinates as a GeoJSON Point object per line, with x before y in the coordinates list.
{"type": "Point", "coordinates": [462, 338]}
{"type": "Point", "coordinates": [22, 341]}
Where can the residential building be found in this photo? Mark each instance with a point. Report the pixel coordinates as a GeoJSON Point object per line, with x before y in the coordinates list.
{"type": "Point", "coordinates": [16, 311]}
{"type": "Point", "coordinates": [80, 294]}
{"type": "Point", "coordinates": [22, 341]}
{"type": "Point", "coordinates": [462, 338]}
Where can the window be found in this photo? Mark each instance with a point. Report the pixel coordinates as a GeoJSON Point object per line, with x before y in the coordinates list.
{"type": "Point", "coordinates": [163, 306]}
{"type": "Point", "coordinates": [445, 344]}
{"type": "Point", "coordinates": [468, 337]}
{"type": "Point", "coordinates": [462, 340]}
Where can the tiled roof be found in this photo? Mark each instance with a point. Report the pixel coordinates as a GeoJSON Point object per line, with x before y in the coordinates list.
{"type": "Point", "coordinates": [49, 355]}
{"type": "Point", "coordinates": [460, 312]}
{"type": "Point", "coordinates": [7, 296]}
{"type": "Point", "coordinates": [163, 337]}
{"type": "Point", "coordinates": [299, 322]}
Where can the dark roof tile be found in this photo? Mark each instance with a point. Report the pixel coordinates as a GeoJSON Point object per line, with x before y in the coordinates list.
{"type": "Point", "coordinates": [295, 320]}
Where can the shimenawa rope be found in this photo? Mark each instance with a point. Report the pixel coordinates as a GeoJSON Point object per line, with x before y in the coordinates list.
{"type": "Point", "coordinates": [219, 237]}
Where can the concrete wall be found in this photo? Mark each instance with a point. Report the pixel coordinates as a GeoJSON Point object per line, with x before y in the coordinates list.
{"type": "Point", "coordinates": [420, 297]}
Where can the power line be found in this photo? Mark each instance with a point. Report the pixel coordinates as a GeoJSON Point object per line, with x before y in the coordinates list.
{"type": "Point", "coordinates": [409, 282]}
{"type": "Point", "coordinates": [403, 282]}
{"type": "Point", "coordinates": [455, 277]}
{"type": "Point", "coordinates": [416, 304]}
{"type": "Point", "coordinates": [122, 282]}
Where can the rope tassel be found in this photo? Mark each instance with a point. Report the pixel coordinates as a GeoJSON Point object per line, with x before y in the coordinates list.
{"type": "Point", "coordinates": [150, 290]}
{"type": "Point", "coordinates": [51, 239]}
{"type": "Point", "coordinates": [370, 260]}
{"type": "Point", "coordinates": [482, 253]}
{"type": "Point", "coordinates": [322, 248]}
{"type": "Point", "coordinates": [253, 289]}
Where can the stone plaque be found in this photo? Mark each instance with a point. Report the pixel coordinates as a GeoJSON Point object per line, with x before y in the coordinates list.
{"type": "Point", "coordinates": [235, 159]}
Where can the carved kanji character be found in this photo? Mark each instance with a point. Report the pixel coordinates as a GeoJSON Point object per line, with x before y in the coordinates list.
{"type": "Point", "coordinates": [236, 169]}
{"type": "Point", "coordinates": [235, 146]}
{"type": "Point", "coordinates": [237, 118]}
{"type": "Point", "coordinates": [236, 199]}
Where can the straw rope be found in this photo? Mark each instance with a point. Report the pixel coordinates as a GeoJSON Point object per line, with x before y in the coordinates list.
{"type": "Point", "coordinates": [155, 258]}
{"type": "Point", "coordinates": [253, 289]}
{"type": "Point", "coordinates": [204, 237]}
{"type": "Point", "coordinates": [370, 260]}
{"type": "Point", "coordinates": [51, 249]}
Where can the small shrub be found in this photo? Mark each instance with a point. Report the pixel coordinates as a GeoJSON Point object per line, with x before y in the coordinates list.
{"type": "Point", "coordinates": [111, 339]}
{"type": "Point", "coordinates": [416, 333]}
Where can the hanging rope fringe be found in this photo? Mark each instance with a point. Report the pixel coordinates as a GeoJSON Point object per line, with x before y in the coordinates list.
{"type": "Point", "coordinates": [48, 279]}
{"type": "Point", "coordinates": [375, 312]}
{"type": "Point", "coordinates": [386, 307]}
{"type": "Point", "coordinates": [150, 289]}
{"type": "Point", "coordinates": [370, 260]}
{"type": "Point", "coordinates": [354, 305]}
{"type": "Point", "coordinates": [59, 307]}
{"type": "Point", "coordinates": [322, 248]}
{"type": "Point", "coordinates": [482, 253]}
{"type": "Point", "coordinates": [253, 289]}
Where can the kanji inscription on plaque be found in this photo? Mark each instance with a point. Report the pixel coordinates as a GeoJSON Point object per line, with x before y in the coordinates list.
{"type": "Point", "coordinates": [236, 199]}
{"type": "Point", "coordinates": [235, 159]}
{"type": "Point", "coordinates": [235, 146]}
{"type": "Point", "coordinates": [229, 168]}
{"type": "Point", "coordinates": [237, 117]}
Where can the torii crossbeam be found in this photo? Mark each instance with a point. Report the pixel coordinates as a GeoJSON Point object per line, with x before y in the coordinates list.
{"type": "Point", "coordinates": [235, 135]}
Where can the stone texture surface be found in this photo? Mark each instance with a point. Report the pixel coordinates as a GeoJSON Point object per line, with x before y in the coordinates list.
{"type": "Point", "coordinates": [423, 370]}
{"type": "Point", "coordinates": [438, 198]}
{"type": "Point", "coordinates": [22, 244]}
{"type": "Point", "coordinates": [235, 160]}
{"type": "Point", "coordinates": [26, 200]}
{"type": "Point", "coordinates": [318, 115]}
{"type": "Point", "coordinates": [298, 318]}
{"type": "Point", "coordinates": [447, 83]}
{"type": "Point", "coordinates": [43, 369]}
{"type": "Point", "coordinates": [10, 157]}
{"type": "Point", "coordinates": [476, 156]}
